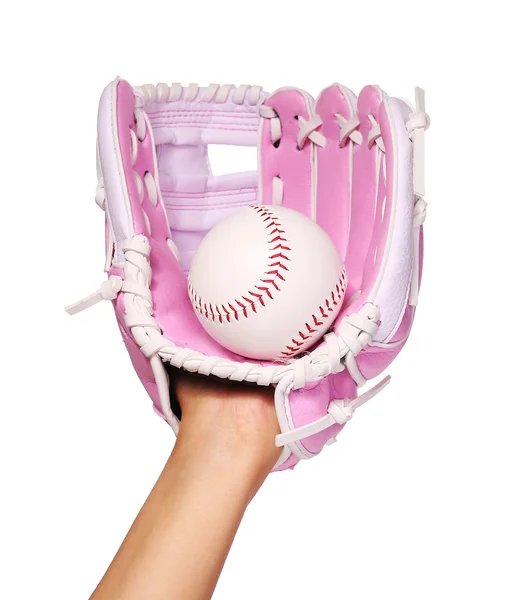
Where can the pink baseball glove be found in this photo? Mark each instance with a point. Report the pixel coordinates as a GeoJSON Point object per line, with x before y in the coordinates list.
{"type": "Point", "coordinates": [353, 165]}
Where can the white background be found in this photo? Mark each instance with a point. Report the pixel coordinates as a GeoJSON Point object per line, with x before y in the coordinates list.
{"type": "Point", "coordinates": [422, 497]}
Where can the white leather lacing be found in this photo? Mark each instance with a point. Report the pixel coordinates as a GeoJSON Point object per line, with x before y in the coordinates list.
{"type": "Point", "coordinates": [418, 122]}
{"type": "Point", "coordinates": [307, 128]}
{"type": "Point", "coordinates": [141, 126]}
{"type": "Point", "coordinates": [275, 126]}
{"type": "Point", "coordinates": [375, 135]}
{"type": "Point", "coordinates": [349, 130]}
{"type": "Point", "coordinates": [355, 331]}
{"type": "Point", "coordinates": [338, 412]}
{"type": "Point", "coordinates": [108, 291]}
{"type": "Point", "coordinates": [278, 191]}
{"type": "Point", "coordinates": [375, 140]}
{"type": "Point", "coordinates": [162, 92]}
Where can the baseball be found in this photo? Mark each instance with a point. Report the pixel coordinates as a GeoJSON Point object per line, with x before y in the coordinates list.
{"type": "Point", "coordinates": [267, 282]}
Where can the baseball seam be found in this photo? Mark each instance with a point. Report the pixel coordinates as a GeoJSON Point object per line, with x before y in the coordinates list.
{"type": "Point", "coordinates": [265, 288]}
{"type": "Point", "coordinates": [278, 260]}
{"type": "Point", "coordinates": [317, 320]}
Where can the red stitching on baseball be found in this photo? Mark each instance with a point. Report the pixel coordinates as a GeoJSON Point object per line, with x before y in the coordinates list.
{"type": "Point", "coordinates": [318, 320]}
{"type": "Point", "coordinates": [221, 312]}
{"type": "Point", "coordinates": [276, 265]}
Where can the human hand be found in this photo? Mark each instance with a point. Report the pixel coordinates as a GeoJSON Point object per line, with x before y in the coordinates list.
{"type": "Point", "coordinates": [233, 419]}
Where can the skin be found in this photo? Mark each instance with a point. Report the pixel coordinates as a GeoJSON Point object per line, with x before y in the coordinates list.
{"type": "Point", "coordinates": [177, 546]}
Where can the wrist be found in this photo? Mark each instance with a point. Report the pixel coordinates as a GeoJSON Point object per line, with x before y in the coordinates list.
{"type": "Point", "coordinates": [226, 452]}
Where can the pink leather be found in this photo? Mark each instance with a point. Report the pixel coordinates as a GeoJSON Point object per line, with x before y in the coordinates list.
{"type": "Point", "coordinates": [286, 161]}
{"type": "Point", "coordinates": [373, 361]}
{"type": "Point", "coordinates": [364, 191]}
{"type": "Point", "coordinates": [173, 307]}
{"type": "Point", "coordinates": [290, 463]}
{"type": "Point", "coordinates": [140, 362]}
{"type": "Point", "coordinates": [380, 225]}
{"type": "Point", "coordinates": [309, 404]}
{"type": "Point", "coordinates": [354, 223]}
{"type": "Point", "coordinates": [333, 188]}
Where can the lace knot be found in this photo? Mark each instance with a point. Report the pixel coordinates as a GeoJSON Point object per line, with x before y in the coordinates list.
{"type": "Point", "coordinates": [308, 130]}
{"type": "Point", "coordinates": [417, 124]}
{"type": "Point", "coordinates": [275, 127]}
{"type": "Point", "coordinates": [110, 288]}
{"type": "Point", "coordinates": [419, 212]}
{"type": "Point", "coordinates": [341, 411]}
{"type": "Point", "coordinates": [417, 120]}
{"type": "Point", "coordinates": [349, 130]}
{"type": "Point", "coordinates": [375, 134]}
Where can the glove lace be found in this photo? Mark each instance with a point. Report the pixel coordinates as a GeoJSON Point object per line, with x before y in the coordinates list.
{"type": "Point", "coordinates": [418, 122]}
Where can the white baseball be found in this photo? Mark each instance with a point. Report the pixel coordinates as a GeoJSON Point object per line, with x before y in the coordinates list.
{"type": "Point", "coordinates": [267, 282]}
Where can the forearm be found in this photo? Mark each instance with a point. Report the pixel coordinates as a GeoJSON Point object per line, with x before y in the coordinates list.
{"type": "Point", "coordinates": [178, 544]}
